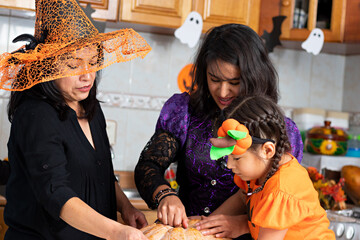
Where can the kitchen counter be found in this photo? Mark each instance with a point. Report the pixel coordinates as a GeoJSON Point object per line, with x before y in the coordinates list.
{"type": "Point", "coordinates": [127, 184]}
{"type": "Point", "coordinates": [139, 204]}
{"type": "Point", "coordinates": [334, 163]}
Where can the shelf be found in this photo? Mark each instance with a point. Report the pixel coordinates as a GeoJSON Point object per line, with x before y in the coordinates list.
{"type": "Point", "coordinates": [334, 163]}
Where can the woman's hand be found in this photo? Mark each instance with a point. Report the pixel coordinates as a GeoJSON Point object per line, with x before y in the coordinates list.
{"type": "Point", "coordinates": [223, 225]}
{"type": "Point", "coordinates": [126, 233]}
{"type": "Point", "coordinates": [134, 217]}
{"type": "Point", "coordinates": [129, 214]}
{"type": "Point", "coordinates": [171, 211]}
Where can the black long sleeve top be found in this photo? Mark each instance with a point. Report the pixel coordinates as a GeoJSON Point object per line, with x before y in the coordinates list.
{"type": "Point", "coordinates": [4, 172]}
{"type": "Point", "coordinates": [52, 161]}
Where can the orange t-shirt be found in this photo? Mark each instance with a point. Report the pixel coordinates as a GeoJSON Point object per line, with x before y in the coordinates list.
{"type": "Point", "coordinates": [288, 201]}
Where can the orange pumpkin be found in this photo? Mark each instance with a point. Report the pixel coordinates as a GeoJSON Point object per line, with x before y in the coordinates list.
{"type": "Point", "coordinates": [157, 231]}
{"type": "Point", "coordinates": [241, 145]}
{"type": "Point", "coordinates": [185, 78]}
{"type": "Point", "coordinates": [351, 174]}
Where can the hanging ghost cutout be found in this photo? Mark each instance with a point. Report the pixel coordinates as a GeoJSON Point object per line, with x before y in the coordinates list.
{"type": "Point", "coordinates": [315, 41]}
{"type": "Point", "coordinates": [189, 33]}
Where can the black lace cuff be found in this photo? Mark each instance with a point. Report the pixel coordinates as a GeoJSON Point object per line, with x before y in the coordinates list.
{"type": "Point", "coordinates": [155, 158]}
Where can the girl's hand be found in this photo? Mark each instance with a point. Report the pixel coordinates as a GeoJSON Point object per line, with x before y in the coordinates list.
{"type": "Point", "coordinates": [171, 211]}
{"type": "Point", "coordinates": [134, 217]}
{"type": "Point", "coordinates": [127, 233]}
{"type": "Point", "coordinates": [223, 225]}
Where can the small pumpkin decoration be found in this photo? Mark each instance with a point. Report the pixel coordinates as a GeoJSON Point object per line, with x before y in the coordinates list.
{"type": "Point", "coordinates": [158, 231]}
{"type": "Point", "coordinates": [351, 174]}
{"type": "Point", "coordinates": [185, 78]}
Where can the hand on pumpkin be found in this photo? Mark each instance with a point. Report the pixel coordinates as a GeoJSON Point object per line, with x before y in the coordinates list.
{"type": "Point", "coordinates": [134, 217]}
{"type": "Point", "coordinates": [126, 233]}
{"type": "Point", "coordinates": [223, 225]}
{"type": "Point", "coordinates": [171, 211]}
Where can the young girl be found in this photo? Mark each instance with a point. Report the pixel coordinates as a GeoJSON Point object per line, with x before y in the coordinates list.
{"type": "Point", "coordinates": [281, 201]}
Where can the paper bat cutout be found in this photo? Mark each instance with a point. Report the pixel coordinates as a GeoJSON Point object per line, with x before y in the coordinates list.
{"type": "Point", "coordinates": [272, 38]}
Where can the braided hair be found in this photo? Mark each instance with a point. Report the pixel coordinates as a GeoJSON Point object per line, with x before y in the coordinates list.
{"type": "Point", "coordinates": [264, 119]}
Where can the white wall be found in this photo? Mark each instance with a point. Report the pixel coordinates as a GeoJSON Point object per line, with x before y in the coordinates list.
{"type": "Point", "coordinates": [351, 96]}
{"type": "Point", "coordinates": [134, 92]}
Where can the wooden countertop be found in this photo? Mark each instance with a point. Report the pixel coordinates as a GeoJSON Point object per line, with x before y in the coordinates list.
{"type": "Point", "coordinates": [139, 204]}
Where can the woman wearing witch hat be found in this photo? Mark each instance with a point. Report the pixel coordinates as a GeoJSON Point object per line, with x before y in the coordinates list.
{"type": "Point", "coordinates": [62, 184]}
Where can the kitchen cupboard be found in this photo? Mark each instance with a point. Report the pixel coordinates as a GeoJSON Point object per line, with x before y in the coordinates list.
{"type": "Point", "coordinates": [18, 4]}
{"type": "Point", "coordinates": [172, 13]}
{"type": "Point", "coordinates": [104, 9]}
{"type": "Point", "coordinates": [218, 12]}
{"type": "Point", "coordinates": [162, 13]}
{"type": "Point", "coordinates": [339, 19]}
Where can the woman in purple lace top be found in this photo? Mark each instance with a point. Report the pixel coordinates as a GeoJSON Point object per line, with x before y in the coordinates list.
{"type": "Point", "coordinates": [231, 61]}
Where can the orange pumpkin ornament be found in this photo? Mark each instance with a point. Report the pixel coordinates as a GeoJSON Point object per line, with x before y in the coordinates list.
{"type": "Point", "coordinates": [185, 78]}
{"type": "Point", "coordinates": [242, 144]}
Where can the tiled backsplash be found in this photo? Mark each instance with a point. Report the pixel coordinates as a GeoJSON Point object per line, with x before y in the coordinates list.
{"type": "Point", "coordinates": [134, 92]}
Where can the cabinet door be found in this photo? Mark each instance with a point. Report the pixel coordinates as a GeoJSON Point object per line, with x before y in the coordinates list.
{"type": "Point", "coordinates": [104, 9]}
{"type": "Point", "coordinates": [218, 12]}
{"type": "Point", "coordinates": [18, 4]}
{"type": "Point", "coordinates": [163, 13]}
{"type": "Point", "coordinates": [305, 15]}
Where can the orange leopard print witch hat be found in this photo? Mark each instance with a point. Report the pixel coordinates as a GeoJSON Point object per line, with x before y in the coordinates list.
{"type": "Point", "coordinates": [61, 29]}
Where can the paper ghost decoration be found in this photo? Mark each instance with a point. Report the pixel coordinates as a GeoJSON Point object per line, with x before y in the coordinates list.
{"type": "Point", "coordinates": [272, 38]}
{"type": "Point", "coordinates": [189, 33]}
{"type": "Point", "coordinates": [315, 41]}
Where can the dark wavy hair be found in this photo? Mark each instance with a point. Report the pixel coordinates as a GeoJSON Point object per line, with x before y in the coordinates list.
{"type": "Point", "coordinates": [49, 92]}
{"type": "Point", "coordinates": [264, 119]}
{"type": "Point", "coordinates": [238, 45]}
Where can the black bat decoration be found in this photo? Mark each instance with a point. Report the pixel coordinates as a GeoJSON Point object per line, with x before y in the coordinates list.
{"type": "Point", "coordinates": [272, 39]}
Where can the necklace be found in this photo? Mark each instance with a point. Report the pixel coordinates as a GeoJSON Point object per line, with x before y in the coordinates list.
{"type": "Point", "coordinates": [250, 191]}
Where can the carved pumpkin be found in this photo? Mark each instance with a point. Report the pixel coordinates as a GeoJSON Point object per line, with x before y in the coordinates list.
{"type": "Point", "coordinates": [157, 231]}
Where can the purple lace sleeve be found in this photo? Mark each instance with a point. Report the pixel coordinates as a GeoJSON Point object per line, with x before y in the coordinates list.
{"type": "Point", "coordinates": [295, 139]}
{"type": "Point", "coordinates": [174, 116]}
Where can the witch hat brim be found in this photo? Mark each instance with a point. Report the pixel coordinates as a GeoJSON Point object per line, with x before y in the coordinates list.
{"type": "Point", "coordinates": [62, 28]}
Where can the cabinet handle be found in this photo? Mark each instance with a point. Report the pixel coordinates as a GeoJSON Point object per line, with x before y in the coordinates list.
{"type": "Point", "coordinates": [285, 3]}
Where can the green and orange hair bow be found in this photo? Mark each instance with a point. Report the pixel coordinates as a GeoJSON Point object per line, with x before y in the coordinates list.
{"type": "Point", "coordinates": [234, 138]}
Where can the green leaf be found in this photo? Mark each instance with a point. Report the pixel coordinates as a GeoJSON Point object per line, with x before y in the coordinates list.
{"type": "Point", "coordinates": [237, 135]}
{"type": "Point", "coordinates": [216, 153]}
